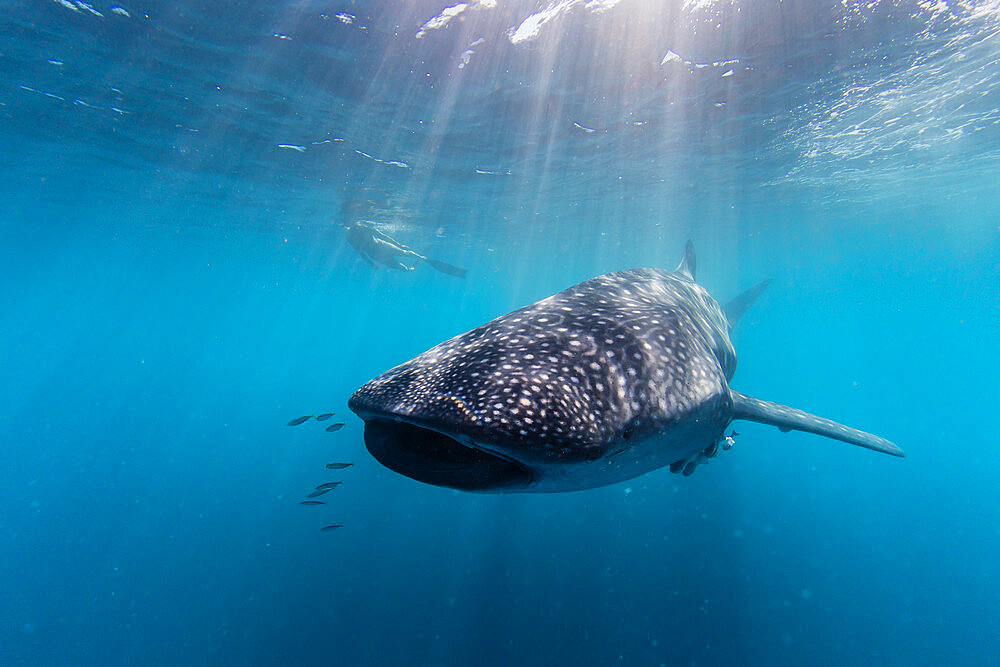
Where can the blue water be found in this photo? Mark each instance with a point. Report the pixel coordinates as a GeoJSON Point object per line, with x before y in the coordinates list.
{"type": "Point", "coordinates": [174, 287]}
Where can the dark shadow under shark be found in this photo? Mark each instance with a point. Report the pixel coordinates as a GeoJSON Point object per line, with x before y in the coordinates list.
{"type": "Point", "coordinates": [605, 381]}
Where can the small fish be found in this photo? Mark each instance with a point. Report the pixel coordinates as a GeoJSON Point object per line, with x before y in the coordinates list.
{"type": "Point", "coordinates": [299, 420]}
{"type": "Point", "coordinates": [311, 502]}
{"type": "Point", "coordinates": [319, 492]}
{"type": "Point", "coordinates": [332, 527]}
{"type": "Point", "coordinates": [338, 466]}
{"type": "Point", "coordinates": [323, 417]}
{"type": "Point", "coordinates": [728, 441]}
{"type": "Point", "coordinates": [328, 485]}
{"type": "Point", "coordinates": [335, 427]}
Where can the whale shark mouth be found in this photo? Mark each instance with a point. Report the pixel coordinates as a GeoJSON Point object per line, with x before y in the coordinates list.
{"type": "Point", "coordinates": [433, 457]}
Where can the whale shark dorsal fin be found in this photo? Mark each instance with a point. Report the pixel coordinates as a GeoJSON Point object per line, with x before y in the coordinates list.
{"type": "Point", "coordinates": [790, 419]}
{"type": "Point", "coordinates": [734, 309]}
{"type": "Point", "coordinates": [688, 264]}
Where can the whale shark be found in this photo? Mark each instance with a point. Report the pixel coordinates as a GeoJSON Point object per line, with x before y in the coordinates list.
{"type": "Point", "coordinates": [607, 380]}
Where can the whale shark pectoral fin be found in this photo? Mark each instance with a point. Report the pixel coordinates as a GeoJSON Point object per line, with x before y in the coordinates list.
{"type": "Point", "coordinates": [787, 419]}
{"type": "Point", "coordinates": [735, 308]}
{"type": "Point", "coordinates": [688, 264]}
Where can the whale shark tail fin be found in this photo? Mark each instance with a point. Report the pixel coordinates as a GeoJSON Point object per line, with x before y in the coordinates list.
{"type": "Point", "coordinates": [445, 267]}
{"type": "Point", "coordinates": [789, 419]}
{"type": "Point", "coordinates": [734, 309]}
{"type": "Point", "coordinates": [688, 264]}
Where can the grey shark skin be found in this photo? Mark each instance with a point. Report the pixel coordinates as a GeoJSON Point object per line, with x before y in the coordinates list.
{"type": "Point", "coordinates": [605, 381]}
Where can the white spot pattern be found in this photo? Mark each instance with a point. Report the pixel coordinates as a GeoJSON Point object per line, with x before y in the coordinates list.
{"type": "Point", "coordinates": [567, 378]}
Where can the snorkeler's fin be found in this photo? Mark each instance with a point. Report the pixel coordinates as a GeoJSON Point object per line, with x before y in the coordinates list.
{"type": "Point", "coordinates": [444, 267]}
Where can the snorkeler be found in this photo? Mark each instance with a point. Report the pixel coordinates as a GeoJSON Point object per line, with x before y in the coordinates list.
{"type": "Point", "coordinates": [376, 246]}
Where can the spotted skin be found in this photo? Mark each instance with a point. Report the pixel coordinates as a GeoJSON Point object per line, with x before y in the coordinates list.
{"type": "Point", "coordinates": [613, 377]}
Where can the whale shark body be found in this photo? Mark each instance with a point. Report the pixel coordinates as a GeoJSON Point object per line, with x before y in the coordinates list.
{"type": "Point", "coordinates": [605, 381]}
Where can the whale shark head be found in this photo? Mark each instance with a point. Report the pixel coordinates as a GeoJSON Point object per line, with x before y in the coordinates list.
{"type": "Point", "coordinates": [604, 381]}
{"type": "Point", "coordinates": [498, 410]}
{"type": "Point", "coordinates": [499, 406]}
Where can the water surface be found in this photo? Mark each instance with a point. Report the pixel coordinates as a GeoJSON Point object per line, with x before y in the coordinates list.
{"type": "Point", "coordinates": [174, 288]}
